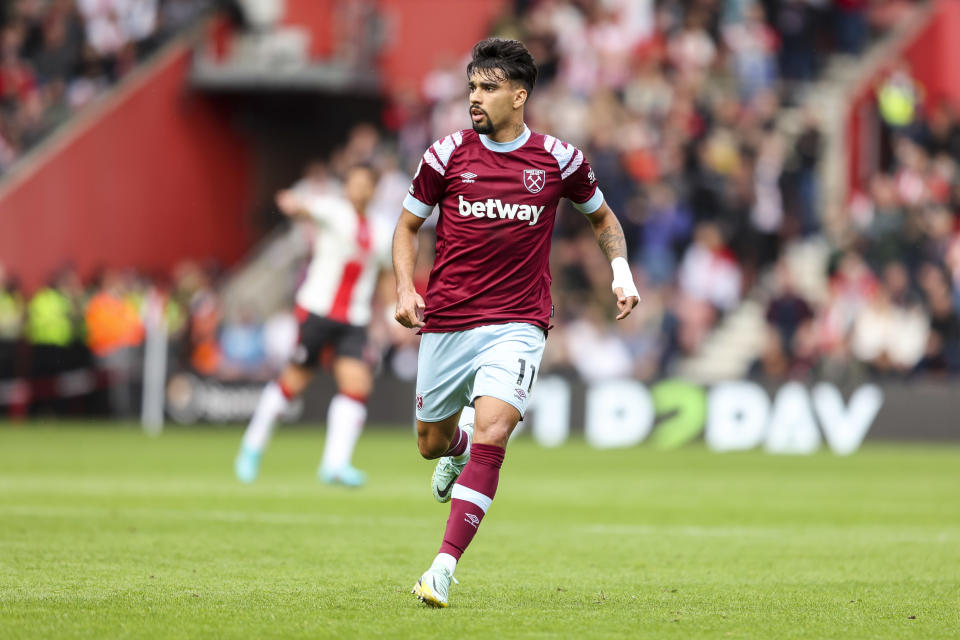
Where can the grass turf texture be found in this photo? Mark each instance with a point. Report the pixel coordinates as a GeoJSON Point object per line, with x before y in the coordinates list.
{"type": "Point", "coordinates": [106, 533]}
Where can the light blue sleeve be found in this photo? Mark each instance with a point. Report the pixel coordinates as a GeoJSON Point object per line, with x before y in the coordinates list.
{"type": "Point", "coordinates": [590, 205]}
{"type": "Point", "coordinates": [419, 209]}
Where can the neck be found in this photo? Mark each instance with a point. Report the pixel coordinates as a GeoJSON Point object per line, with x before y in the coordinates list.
{"type": "Point", "coordinates": [508, 133]}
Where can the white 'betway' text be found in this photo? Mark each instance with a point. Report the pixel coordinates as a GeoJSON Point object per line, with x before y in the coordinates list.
{"type": "Point", "coordinates": [496, 209]}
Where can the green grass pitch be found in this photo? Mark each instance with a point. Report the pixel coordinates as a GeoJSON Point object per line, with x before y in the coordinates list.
{"type": "Point", "coordinates": [107, 533]}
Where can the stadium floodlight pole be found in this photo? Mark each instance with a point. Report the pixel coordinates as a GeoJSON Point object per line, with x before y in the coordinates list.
{"type": "Point", "coordinates": [154, 364]}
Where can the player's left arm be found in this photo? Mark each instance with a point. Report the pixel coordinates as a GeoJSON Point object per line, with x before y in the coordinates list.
{"type": "Point", "coordinates": [580, 186]}
{"type": "Point", "coordinates": [612, 242]}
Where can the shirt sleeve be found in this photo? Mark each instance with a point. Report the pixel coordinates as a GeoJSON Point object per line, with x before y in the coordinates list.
{"type": "Point", "coordinates": [425, 190]}
{"type": "Point", "coordinates": [580, 185]}
{"type": "Point", "coordinates": [385, 246]}
{"type": "Point", "coordinates": [325, 209]}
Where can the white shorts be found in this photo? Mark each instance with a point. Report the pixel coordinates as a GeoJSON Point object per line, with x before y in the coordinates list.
{"type": "Point", "coordinates": [497, 360]}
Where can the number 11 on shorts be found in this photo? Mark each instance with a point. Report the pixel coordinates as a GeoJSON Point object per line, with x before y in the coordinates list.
{"type": "Point", "coordinates": [523, 369]}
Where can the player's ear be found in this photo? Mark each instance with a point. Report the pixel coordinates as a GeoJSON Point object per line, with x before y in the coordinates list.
{"type": "Point", "coordinates": [519, 97]}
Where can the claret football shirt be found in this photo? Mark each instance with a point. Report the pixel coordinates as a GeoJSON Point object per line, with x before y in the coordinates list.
{"type": "Point", "coordinates": [498, 203]}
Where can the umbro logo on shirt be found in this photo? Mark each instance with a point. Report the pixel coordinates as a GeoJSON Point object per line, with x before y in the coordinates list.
{"type": "Point", "coordinates": [469, 176]}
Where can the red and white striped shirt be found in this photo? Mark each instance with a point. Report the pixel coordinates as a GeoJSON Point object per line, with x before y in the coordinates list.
{"type": "Point", "coordinates": [348, 252]}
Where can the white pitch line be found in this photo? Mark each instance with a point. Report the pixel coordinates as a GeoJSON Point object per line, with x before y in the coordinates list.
{"type": "Point", "coordinates": [258, 517]}
{"type": "Point", "coordinates": [155, 487]}
{"type": "Point", "coordinates": [880, 533]}
{"type": "Point", "coordinates": [872, 533]}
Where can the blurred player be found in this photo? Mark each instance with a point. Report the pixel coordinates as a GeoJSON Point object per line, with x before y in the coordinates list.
{"type": "Point", "coordinates": [488, 308]}
{"type": "Point", "coordinates": [333, 307]}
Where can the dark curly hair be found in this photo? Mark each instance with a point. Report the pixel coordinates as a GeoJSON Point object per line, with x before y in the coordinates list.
{"type": "Point", "coordinates": [508, 57]}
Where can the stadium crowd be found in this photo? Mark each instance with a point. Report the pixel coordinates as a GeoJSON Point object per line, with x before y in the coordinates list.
{"type": "Point", "coordinates": [58, 56]}
{"type": "Point", "coordinates": [676, 107]}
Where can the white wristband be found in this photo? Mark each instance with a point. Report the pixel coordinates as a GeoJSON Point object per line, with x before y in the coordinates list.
{"type": "Point", "coordinates": [623, 277]}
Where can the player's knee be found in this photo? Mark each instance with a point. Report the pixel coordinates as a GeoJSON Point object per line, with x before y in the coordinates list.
{"type": "Point", "coordinates": [431, 448]}
{"type": "Point", "coordinates": [295, 379]}
{"type": "Point", "coordinates": [496, 434]}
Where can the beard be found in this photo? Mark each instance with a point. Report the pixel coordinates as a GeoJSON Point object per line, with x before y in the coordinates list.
{"type": "Point", "coordinates": [485, 126]}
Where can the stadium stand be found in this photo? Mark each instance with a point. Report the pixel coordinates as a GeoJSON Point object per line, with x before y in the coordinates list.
{"type": "Point", "coordinates": [58, 56]}
{"type": "Point", "coordinates": [681, 108]}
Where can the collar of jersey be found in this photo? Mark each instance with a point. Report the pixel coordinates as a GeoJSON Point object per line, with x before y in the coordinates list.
{"type": "Point", "coordinates": [503, 147]}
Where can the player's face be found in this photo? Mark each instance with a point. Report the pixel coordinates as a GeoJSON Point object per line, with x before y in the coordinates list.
{"type": "Point", "coordinates": [493, 99]}
{"type": "Point", "coordinates": [359, 186]}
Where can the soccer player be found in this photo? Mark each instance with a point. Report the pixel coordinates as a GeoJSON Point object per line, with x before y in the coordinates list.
{"type": "Point", "coordinates": [487, 307]}
{"type": "Point", "coordinates": [333, 306]}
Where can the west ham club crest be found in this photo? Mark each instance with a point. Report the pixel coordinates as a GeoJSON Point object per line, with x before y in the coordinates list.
{"type": "Point", "coordinates": [534, 179]}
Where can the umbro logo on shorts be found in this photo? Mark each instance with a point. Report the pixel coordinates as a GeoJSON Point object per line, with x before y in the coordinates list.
{"type": "Point", "coordinates": [520, 393]}
{"type": "Point", "coordinates": [419, 402]}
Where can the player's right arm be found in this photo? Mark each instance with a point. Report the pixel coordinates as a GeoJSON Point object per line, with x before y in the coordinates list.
{"type": "Point", "coordinates": [324, 210]}
{"type": "Point", "coordinates": [426, 190]}
{"type": "Point", "coordinates": [291, 204]}
{"type": "Point", "coordinates": [410, 304]}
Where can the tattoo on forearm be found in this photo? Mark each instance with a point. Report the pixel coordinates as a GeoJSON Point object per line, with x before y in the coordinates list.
{"type": "Point", "coordinates": [611, 240]}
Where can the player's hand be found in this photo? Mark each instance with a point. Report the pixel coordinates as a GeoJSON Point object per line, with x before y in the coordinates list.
{"type": "Point", "coordinates": [288, 202]}
{"type": "Point", "coordinates": [625, 304]}
{"type": "Point", "coordinates": [410, 306]}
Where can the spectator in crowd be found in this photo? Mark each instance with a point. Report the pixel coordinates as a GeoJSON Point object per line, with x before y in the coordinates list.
{"type": "Point", "coordinates": [11, 323]}
{"type": "Point", "coordinates": [709, 272]}
{"type": "Point", "coordinates": [940, 132]}
{"type": "Point", "coordinates": [889, 334]}
{"type": "Point", "coordinates": [754, 45]}
{"type": "Point", "coordinates": [54, 329]}
{"type": "Point", "coordinates": [666, 226]}
{"type": "Point", "coordinates": [243, 347]}
{"type": "Point", "coordinates": [800, 189]}
{"type": "Point", "coordinates": [787, 311]}
{"type": "Point", "coordinates": [850, 20]}
{"type": "Point", "coordinates": [206, 313]}
{"type": "Point", "coordinates": [114, 334]}
{"type": "Point", "coordinates": [943, 349]}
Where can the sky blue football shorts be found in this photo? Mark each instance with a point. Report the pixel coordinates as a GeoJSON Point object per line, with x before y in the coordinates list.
{"type": "Point", "coordinates": [497, 360]}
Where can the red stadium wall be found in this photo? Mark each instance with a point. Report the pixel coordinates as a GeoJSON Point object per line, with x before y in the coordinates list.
{"type": "Point", "coordinates": [317, 17]}
{"type": "Point", "coordinates": [414, 43]}
{"type": "Point", "coordinates": [154, 176]}
{"type": "Point", "coordinates": [417, 43]}
{"type": "Point", "coordinates": [932, 54]}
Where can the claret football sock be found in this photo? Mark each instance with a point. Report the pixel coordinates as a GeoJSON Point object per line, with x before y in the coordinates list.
{"type": "Point", "coordinates": [459, 443]}
{"type": "Point", "coordinates": [472, 495]}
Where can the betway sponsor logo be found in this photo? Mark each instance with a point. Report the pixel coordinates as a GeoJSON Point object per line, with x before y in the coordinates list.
{"type": "Point", "coordinates": [494, 208]}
